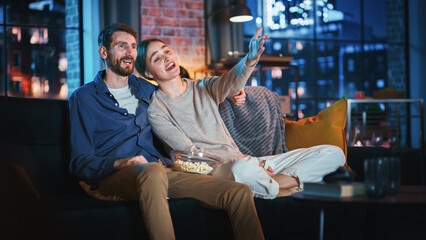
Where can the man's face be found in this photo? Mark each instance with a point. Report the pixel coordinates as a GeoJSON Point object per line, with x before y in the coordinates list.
{"type": "Point", "coordinates": [161, 61]}
{"type": "Point", "coordinates": [122, 53]}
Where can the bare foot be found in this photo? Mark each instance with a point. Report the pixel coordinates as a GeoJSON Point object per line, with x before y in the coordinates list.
{"type": "Point", "coordinates": [286, 181]}
{"type": "Point", "coordinates": [287, 192]}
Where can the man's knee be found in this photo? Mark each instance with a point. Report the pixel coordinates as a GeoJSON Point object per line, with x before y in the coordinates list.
{"type": "Point", "coordinates": [151, 173]}
{"type": "Point", "coordinates": [238, 191]}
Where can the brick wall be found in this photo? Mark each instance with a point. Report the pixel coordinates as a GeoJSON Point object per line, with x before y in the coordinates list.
{"type": "Point", "coordinates": [72, 46]}
{"type": "Point", "coordinates": [396, 28]}
{"type": "Point", "coordinates": [180, 24]}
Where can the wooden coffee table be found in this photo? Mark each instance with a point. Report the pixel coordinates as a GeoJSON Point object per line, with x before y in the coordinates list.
{"type": "Point", "coordinates": [410, 195]}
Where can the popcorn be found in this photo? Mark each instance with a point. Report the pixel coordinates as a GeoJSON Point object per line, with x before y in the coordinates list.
{"type": "Point", "coordinates": [193, 167]}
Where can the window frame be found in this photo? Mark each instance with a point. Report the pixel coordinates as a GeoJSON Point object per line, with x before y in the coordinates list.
{"type": "Point", "coordinates": [6, 42]}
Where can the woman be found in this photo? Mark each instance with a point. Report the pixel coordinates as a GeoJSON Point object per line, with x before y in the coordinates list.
{"type": "Point", "coordinates": [184, 115]}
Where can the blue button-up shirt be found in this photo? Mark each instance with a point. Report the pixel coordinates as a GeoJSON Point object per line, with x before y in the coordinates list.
{"type": "Point", "coordinates": [102, 132]}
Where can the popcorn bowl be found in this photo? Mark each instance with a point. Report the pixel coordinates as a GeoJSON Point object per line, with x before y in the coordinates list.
{"type": "Point", "coordinates": [193, 162]}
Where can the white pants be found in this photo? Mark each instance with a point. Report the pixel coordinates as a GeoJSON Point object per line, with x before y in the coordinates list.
{"type": "Point", "coordinates": [305, 164]}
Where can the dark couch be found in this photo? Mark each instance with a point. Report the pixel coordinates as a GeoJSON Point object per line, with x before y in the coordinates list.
{"type": "Point", "coordinates": [43, 199]}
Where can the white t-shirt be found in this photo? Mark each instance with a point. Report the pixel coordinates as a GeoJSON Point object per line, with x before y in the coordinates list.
{"type": "Point", "coordinates": [125, 98]}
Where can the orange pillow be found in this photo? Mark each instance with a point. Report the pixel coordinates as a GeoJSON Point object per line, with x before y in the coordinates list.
{"type": "Point", "coordinates": [327, 127]}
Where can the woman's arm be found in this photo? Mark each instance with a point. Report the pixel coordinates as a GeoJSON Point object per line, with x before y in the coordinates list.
{"type": "Point", "coordinates": [234, 80]}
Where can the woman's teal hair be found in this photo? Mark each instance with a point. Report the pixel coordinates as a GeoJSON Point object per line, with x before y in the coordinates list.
{"type": "Point", "coordinates": [140, 63]}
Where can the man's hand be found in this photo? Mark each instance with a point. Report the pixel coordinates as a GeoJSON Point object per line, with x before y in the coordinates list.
{"type": "Point", "coordinates": [269, 170]}
{"type": "Point", "coordinates": [240, 98]}
{"type": "Point", "coordinates": [256, 48]}
{"type": "Point", "coordinates": [125, 162]}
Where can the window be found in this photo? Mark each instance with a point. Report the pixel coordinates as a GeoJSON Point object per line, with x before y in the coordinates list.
{"type": "Point", "coordinates": [340, 46]}
{"type": "Point", "coordinates": [40, 48]}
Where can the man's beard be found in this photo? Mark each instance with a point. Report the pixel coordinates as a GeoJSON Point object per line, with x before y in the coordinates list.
{"type": "Point", "coordinates": [115, 66]}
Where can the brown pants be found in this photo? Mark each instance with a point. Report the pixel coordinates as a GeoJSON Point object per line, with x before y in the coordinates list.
{"type": "Point", "coordinates": [151, 184]}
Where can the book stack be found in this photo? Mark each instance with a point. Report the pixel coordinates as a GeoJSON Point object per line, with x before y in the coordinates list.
{"type": "Point", "coordinates": [337, 189]}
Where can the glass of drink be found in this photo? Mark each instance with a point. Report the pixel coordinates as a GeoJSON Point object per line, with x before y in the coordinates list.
{"type": "Point", "coordinates": [376, 172]}
{"type": "Point", "coordinates": [394, 175]}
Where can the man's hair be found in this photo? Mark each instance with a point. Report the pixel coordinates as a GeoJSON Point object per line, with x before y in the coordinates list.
{"type": "Point", "coordinates": [104, 38]}
{"type": "Point", "coordinates": [140, 63]}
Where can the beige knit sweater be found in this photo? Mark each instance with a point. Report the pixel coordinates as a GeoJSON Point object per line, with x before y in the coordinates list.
{"type": "Point", "coordinates": [191, 121]}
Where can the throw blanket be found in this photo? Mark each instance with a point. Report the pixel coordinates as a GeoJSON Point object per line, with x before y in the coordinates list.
{"type": "Point", "coordinates": [257, 127]}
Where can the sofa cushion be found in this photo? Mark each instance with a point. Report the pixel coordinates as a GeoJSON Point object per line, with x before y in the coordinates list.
{"type": "Point", "coordinates": [327, 127]}
{"type": "Point", "coordinates": [33, 121]}
{"type": "Point", "coordinates": [35, 137]}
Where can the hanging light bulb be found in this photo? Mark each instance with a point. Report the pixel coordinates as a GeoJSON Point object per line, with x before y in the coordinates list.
{"type": "Point", "coordinates": [240, 12]}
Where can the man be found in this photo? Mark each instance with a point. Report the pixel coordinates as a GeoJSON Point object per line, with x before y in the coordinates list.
{"type": "Point", "coordinates": [112, 147]}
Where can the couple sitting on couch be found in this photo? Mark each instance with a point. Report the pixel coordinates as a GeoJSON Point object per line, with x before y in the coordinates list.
{"type": "Point", "coordinates": [114, 151]}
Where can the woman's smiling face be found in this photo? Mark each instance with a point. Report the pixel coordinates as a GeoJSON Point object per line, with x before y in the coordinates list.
{"type": "Point", "coordinates": [161, 62]}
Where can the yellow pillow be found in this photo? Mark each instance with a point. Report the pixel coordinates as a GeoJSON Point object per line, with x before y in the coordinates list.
{"type": "Point", "coordinates": [327, 127]}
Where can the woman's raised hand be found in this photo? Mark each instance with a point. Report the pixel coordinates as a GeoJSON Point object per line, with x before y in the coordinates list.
{"type": "Point", "coordinates": [256, 47]}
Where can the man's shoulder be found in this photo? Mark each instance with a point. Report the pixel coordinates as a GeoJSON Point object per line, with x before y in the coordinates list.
{"type": "Point", "coordinates": [142, 88]}
{"type": "Point", "coordinates": [88, 90]}
{"type": "Point", "coordinates": [143, 82]}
